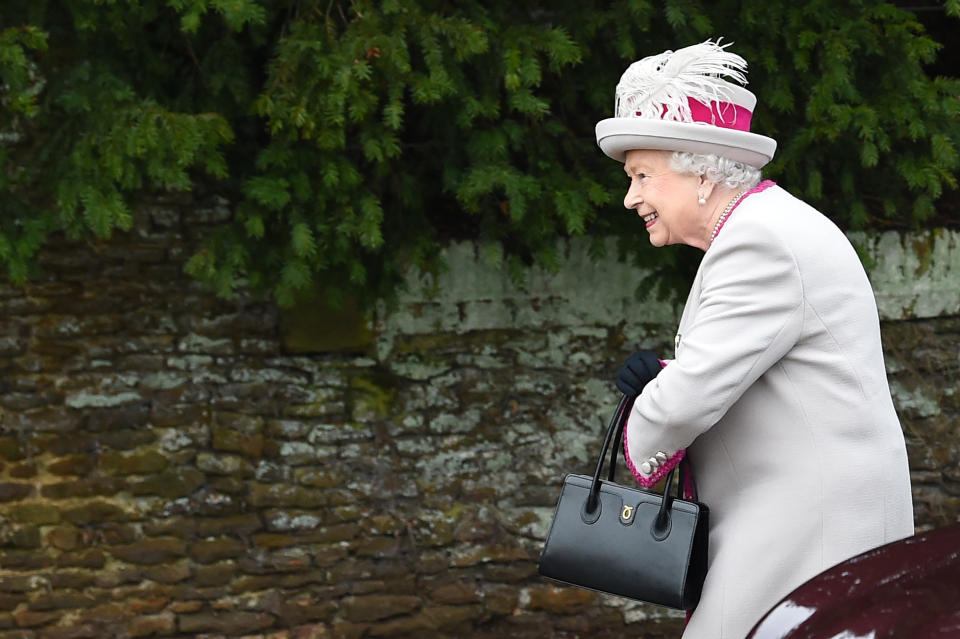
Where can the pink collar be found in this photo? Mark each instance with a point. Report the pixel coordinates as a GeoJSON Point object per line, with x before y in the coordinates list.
{"type": "Point", "coordinates": [763, 186]}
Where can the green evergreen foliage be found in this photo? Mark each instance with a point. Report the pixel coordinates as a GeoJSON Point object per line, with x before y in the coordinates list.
{"type": "Point", "coordinates": [353, 139]}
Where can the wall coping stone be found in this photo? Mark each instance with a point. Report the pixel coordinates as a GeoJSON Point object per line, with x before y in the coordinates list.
{"type": "Point", "coordinates": [914, 276]}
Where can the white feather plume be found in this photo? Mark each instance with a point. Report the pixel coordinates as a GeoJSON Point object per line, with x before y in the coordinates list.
{"type": "Point", "coordinates": [658, 86]}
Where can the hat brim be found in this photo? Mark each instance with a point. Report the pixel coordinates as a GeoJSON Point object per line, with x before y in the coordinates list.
{"type": "Point", "coordinates": [616, 136]}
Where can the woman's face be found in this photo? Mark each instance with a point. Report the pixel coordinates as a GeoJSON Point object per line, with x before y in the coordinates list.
{"type": "Point", "coordinates": [667, 201]}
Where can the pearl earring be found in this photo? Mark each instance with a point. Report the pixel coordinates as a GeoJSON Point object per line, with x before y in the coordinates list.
{"type": "Point", "coordinates": [701, 201]}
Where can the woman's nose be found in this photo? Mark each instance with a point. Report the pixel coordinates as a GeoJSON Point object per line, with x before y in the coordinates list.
{"type": "Point", "coordinates": [632, 199]}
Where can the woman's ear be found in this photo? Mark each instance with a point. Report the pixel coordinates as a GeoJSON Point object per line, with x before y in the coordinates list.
{"type": "Point", "coordinates": [705, 188]}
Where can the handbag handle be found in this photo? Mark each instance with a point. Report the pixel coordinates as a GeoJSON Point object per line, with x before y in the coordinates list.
{"type": "Point", "coordinates": [593, 497]}
{"type": "Point", "coordinates": [661, 525]}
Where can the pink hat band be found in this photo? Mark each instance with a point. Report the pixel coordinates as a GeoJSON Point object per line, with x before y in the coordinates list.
{"type": "Point", "coordinates": [723, 114]}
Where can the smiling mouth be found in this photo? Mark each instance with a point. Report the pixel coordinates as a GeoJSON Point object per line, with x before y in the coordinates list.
{"type": "Point", "coordinates": [650, 218]}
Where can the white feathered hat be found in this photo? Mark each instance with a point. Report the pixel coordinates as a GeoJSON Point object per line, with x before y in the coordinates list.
{"type": "Point", "coordinates": [678, 101]}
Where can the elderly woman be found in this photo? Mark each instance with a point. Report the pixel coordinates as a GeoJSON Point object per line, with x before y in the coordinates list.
{"type": "Point", "coordinates": [777, 392]}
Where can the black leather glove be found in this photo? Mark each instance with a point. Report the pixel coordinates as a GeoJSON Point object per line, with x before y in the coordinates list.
{"type": "Point", "coordinates": [636, 372]}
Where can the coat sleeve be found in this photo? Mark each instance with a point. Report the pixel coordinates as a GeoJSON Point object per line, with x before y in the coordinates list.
{"type": "Point", "coordinates": [749, 314]}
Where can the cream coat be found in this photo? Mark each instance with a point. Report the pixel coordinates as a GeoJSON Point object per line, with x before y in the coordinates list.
{"type": "Point", "coordinates": [779, 393]}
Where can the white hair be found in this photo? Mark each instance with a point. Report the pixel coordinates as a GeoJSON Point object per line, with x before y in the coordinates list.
{"type": "Point", "coordinates": [718, 169]}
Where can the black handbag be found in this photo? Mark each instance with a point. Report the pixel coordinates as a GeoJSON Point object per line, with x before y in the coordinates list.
{"type": "Point", "coordinates": [628, 541]}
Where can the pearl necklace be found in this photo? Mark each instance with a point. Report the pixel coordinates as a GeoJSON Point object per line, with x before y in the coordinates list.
{"type": "Point", "coordinates": [726, 212]}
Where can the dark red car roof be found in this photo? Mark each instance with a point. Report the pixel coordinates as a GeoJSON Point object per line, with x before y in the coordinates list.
{"type": "Point", "coordinates": [908, 588]}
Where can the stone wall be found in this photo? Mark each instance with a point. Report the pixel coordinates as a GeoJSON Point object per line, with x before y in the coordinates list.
{"type": "Point", "coordinates": [174, 465]}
